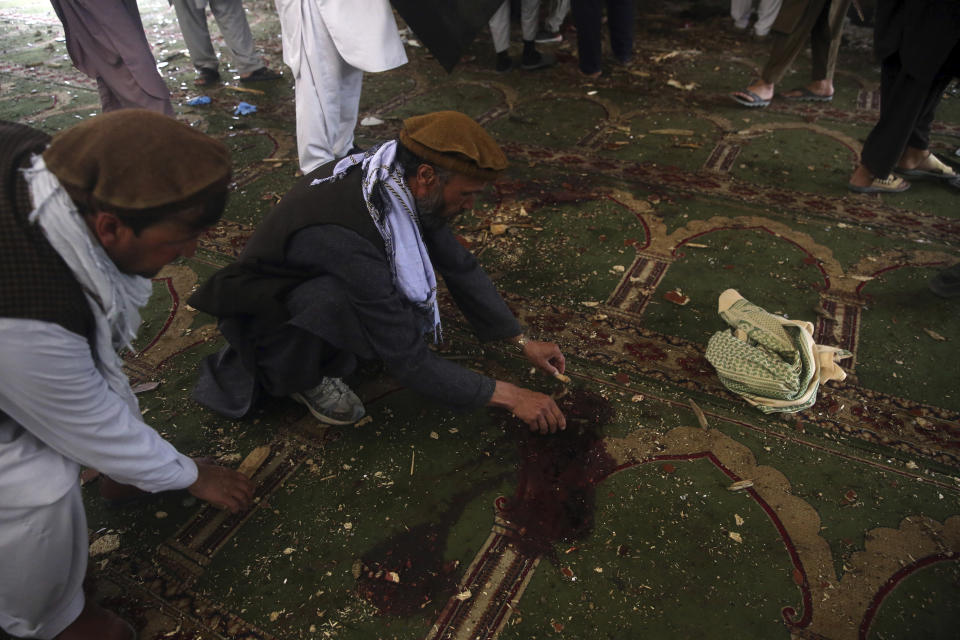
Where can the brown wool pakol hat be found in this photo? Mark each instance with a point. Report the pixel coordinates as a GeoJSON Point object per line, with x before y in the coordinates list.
{"type": "Point", "coordinates": [137, 159]}
{"type": "Point", "coordinates": [453, 140]}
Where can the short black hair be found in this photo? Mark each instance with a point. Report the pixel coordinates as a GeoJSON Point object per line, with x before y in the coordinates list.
{"type": "Point", "coordinates": [200, 212]}
{"type": "Point", "coordinates": [409, 162]}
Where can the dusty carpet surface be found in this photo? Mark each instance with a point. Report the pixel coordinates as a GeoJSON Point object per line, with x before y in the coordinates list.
{"type": "Point", "coordinates": [631, 203]}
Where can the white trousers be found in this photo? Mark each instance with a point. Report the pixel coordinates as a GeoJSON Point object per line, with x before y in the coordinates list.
{"type": "Point", "coordinates": [327, 95]}
{"type": "Point", "coordinates": [500, 23]}
{"type": "Point", "coordinates": [767, 11]}
{"type": "Point", "coordinates": [43, 559]}
{"type": "Point", "coordinates": [560, 10]}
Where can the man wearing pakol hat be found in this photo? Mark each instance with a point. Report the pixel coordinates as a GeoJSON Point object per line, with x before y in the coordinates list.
{"type": "Point", "coordinates": [84, 224]}
{"type": "Point", "coordinates": [344, 269]}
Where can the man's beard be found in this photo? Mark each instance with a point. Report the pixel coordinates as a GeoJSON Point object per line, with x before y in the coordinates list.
{"type": "Point", "coordinates": [430, 210]}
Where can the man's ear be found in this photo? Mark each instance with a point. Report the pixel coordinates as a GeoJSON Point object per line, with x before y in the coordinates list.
{"type": "Point", "coordinates": [108, 228]}
{"type": "Point", "coordinates": [426, 175]}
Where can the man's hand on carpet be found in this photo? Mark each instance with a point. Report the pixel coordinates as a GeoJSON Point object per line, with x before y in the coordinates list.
{"type": "Point", "coordinates": [537, 410]}
{"type": "Point", "coordinates": [545, 356]}
{"type": "Point", "coordinates": [222, 487]}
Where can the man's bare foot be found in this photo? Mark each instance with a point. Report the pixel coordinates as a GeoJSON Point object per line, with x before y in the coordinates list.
{"type": "Point", "coordinates": [96, 623]}
{"type": "Point", "coordinates": [818, 90]}
{"type": "Point", "coordinates": [759, 89]}
{"type": "Point", "coordinates": [912, 158]}
{"type": "Point", "coordinates": [861, 177]}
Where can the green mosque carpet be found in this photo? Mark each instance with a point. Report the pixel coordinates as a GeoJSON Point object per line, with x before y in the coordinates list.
{"type": "Point", "coordinates": [669, 508]}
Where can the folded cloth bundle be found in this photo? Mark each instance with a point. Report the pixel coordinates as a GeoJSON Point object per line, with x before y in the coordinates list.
{"type": "Point", "coordinates": [772, 362]}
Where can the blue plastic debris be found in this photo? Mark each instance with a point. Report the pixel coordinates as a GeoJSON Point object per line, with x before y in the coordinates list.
{"type": "Point", "coordinates": [244, 108]}
{"type": "Point", "coordinates": [199, 100]}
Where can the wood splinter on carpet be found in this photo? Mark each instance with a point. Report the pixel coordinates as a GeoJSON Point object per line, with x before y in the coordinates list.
{"type": "Point", "coordinates": [740, 485]}
{"type": "Point", "coordinates": [697, 411]}
{"type": "Point", "coordinates": [253, 461]}
{"type": "Point", "coordinates": [562, 378]}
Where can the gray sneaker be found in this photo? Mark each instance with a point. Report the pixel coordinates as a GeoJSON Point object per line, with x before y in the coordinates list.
{"type": "Point", "coordinates": [332, 402]}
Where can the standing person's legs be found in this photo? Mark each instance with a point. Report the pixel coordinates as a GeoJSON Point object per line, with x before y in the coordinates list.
{"type": "Point", "coordinates": [767, 11]}
{"type": "Point", "coordinates": [43, 560]}
{"type": "Point", "coordinates": [740, 11]}
{"type": "Point", "coordinates": [500, 32]}
{"type": "Point", "coordinates": [560, 10]}
{"type": "Point", "coordinates": [587, 16]}
{"type": "Point", "coordinates": [784, 50]}
{"type": "Point", "coordinates": [196, 34]}
{"type": "Point", "coordinates": [825, 43]}
{"type": "Point", "coordinates": [529, 18]}
{"type": "Point", "coordinates": [122, 91]}
{"type": "Point", "coordinates": [620, 21]}
{"type": "Point", "coordinates": [232, 20]}
{"type": "Point", "coordinates": [500, 28]}
{"type": "Point", "coordinates": [904, 101]}
{"type": "Point", "coordinates": [327, 94]}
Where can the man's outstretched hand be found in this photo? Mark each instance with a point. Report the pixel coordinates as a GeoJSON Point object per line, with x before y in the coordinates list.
{"type": "Point", "coordinates": [537, 410]}
{"type": "Point", "coordinates": [222, 487]}
{"type": "Point", "coordinates": [546, 356]}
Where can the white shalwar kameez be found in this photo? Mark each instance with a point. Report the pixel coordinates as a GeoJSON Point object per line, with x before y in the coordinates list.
{"type": "Point", "coordinates": [328, 44]}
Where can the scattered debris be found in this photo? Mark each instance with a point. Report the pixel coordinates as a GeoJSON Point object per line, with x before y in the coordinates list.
{"type": "Point", "coordinates": [160, 515]}
{"type": "Point", "coordinates": [199, 101]}
{"type": "Point", "coordinates": [697, 411]}
{"type": "Point", "coordinates": [690, 86]}
{"type": "Point", "coordinates": [105, 544]}
{"type": "Point", "coordinates": [561, 377]}
{"type": "Point", "coordinates": [463, 595]}
{"type": "Point", "coordinates": [363, 421]}
{"type": "Point", "coordinates": [498, 229]}
{"type": "Point", "coordinates": [253, 461]}
{"type": "Point", "coordinates": [288, 551]}
{"type": "Point", "coordinates": [676, 297]}
{"type": "Point", "coordinates": [736, 537]}
{"type": "Point", "coordinates": [740, 485]}
{"type": "Point", "coordinates": [673, 132]}
{"type": "Point", "coordinates": [247, 90]}
{"type": "Point", "coordinates": [933, 334]}
{"type": "Point", "coordinates": [244, 109]}
{"type": "Point", "coordinates": [371, 121]}
{"type": "Point", "coordinates": [738, 519]}
{"type": "Point", "coordinates": [143, 387]}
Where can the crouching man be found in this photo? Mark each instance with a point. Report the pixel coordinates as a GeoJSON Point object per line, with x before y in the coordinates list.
{"type": "Point", "coordinates": [344, 268]}
{"type": "Point", "coordinates": [85, 221]}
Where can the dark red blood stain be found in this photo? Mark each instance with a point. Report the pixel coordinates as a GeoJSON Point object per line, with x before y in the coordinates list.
{"type": "Point", "coordinates": [629, 242]}
{"type": "Point", "coordinates": [798, 577]}
{"type": "Point", "coordinates": [728, 266]}
{"type": "Point", "coordinates": [415, 556]}
{"type": "Point", "coordinates": [809, 260]}
{"type": "Point", "coordinates": [668, 468]}
{"type": "Point", "coordinates": [556, 495]}
{"type": "Point", "coordinates": [622, 378]}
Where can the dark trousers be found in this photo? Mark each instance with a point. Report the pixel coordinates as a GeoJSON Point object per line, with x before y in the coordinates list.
{"type": "Point", "coordinates": [907, 108]}
{"type": "Point", "coordinates": [822, 26]}
{"type": "Point", "coordinates": [588, 16]}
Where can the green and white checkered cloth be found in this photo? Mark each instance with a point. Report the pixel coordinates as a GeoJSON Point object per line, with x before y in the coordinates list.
{"type": "Point", "coordinates": [769, 360]}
